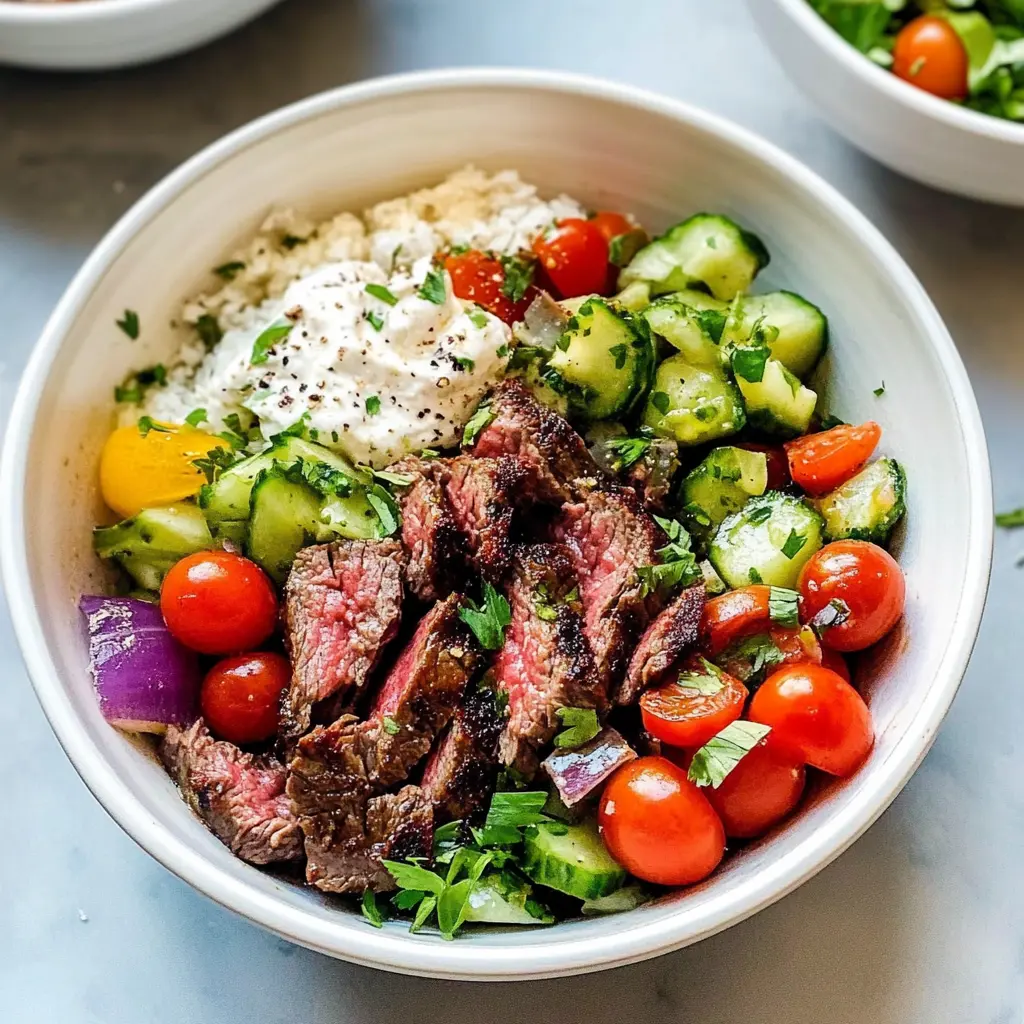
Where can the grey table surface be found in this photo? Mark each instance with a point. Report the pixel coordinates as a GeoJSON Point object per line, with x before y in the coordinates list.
{"type": "Point", "coordinates": [921, 921]}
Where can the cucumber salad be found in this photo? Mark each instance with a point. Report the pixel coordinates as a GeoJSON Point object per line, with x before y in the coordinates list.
{"type": "Point", "coordinates": [968, 51]}
{"type": "Point", "coordinates": [483, 560]}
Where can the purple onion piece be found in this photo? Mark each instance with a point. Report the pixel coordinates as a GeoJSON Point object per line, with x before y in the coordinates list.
{"type": "Point", "coordinates": [144, 679]}
{"type": "Point", "coordinates": [577, 773]}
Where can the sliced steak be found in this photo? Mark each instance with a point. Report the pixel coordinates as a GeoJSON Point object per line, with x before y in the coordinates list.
{"type": "Point", "coordinates": [241, 797]}
{"type": "Point", "coordinates": [672, 634]}
{"type": "Point", "coordinates": [460, 773]}
{"type": "Point", "coordinates": [553, 454]}
{"type": "Point", "coordinates": [609, 537]}
{"type": "Point", "coordinates": [483, 494]}
{"type": "Point", "coordinates": [546, 662]}
{"type": "Point", "coordinates": [343, 603]}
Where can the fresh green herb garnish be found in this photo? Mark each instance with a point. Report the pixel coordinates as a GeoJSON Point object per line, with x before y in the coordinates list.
{"type": "Point", "coordinates": [488, 621]}
{"type": "Point", "coordinates": [518, 276]}
{"type": "Point", "coordinates": [754, 576]}
{"type": "Point", "coordinates": [878, 392]}
{"type": "Point", "coordinates": [373, 405]}
{"type": "Point", "coordinates": [835, 613]}
{"type": "Point", "coordinates": [375, 321]}
{"type": "Point", "coordinates": [749, 362]}
{"type": "Point", "coordinates": [129, 323]}
{"type": "Point", "coordinates": [706, 683]}
{"type": "Point", "coordinates": [783, 605]}
{"type": "Point", "coordinates": [133, 389]}
{"type": "Point", "coordinates": [147, 423]}
{"type": "Point", "coordinates": [386, 508]}
{"type": "Point", "coordinates": [464, 363]}
{"type": "Point", "coordinates": [395, 479]}
{"type": "Point", "coordinates": [229, 271]}
{"type": "Point", "coordinates": [794, 544]}
{"type": "Point", "coordinates": [371, 911]}
{"type": "Point", "coordinates": [627, 450]}
{"type": "Point", "coordinates": [391, 727]}
{"type": "Point", "coordinates": [481, 418]}
{"type": "Point", "coordinates": [195, 417]}
{"type": "Point", "coordinates": [434, 288]}
{"type": "Point", "coordinates": [760, 652]}
{"type": "Point", "coordinates": [208, 330]}
{"type": "Point", "coordinates": [759, 515]}
{"type": "Point", "coordinates": [215, 462]}
{"type": "Point", "coordinates": [713, 762]}
{"type": "Point", "coordinates": [712, 322]}
{"type": "Point", "coordinates": [830, 421]}
{"type": "Point", "coordinates": [661, 401]}
{"type": "Point", "coordinates": [581, 726]}
{"type": "Point", "coordinates": [267, 340]}
{"type": "Point", "coordinates": [1010, 520]}
{"type": "Point", "coordinates": [619, 353]}
{"type": "Point", "coordinates": [291, 241]}
{"type": "Point", "coordinates": [478, 318]}
{"type": "Point", "coordinates": [378, 291]}
{"type": "Point", "coordinates": [430, 453]}
{"type": "Point", "coordinates": [678, 566]}
{"type": "Point", "coordinates": [327, 481]}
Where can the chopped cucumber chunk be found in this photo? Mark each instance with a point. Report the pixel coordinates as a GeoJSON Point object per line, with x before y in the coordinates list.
{"type": "Point", "coordinates": [777, 403]}
{"type": "Point", "coordinates": [227, 499]}
{"type": "Point", "coordinates": [693, 404]}
{"type": "Point", "coordinates": [720, 485]}
{"type": "Point", "coordinates": [284, 516]}
{"type": "Point", "coordinates": [868, 505]}
{"type": "Point", "coordinates": [773, 535]}
{"type": "Point", "coordinates": [708, 249]}
{"type": "Point", "coordinates": [540, 387]}
{"type": "Point", "coordinates": [634, 296]}
{"type": "Point", "coordinates": [572, 859]}
{"type": "Point", "coordinates": [694, 332]}
{"type": "Point", "coordinates": [495, 900]}
{"type": "Point", "coordinates": [794, 329]}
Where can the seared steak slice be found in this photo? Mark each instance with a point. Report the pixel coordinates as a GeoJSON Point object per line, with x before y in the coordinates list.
{"type": "Point", "coordinates": [240, 797]}
{"type": "Point", "coordinates": [460, 773]}
{"type": "Point", "coordinates": [609, 537]}
{"type": "Point", "coordinates": [546, 662]}
{"type": "Point", "coordinates": [554, 455]}
{"type": "Point", "coordinates": [667, 639]}
{"type": "Point", "coordinates": [343, 603]}
{"type": "Point", "coordinates": [483, 494]}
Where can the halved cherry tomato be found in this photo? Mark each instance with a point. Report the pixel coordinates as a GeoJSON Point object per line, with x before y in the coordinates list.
{"type": "Point", "coordinates": [928, 53]}
{"type": "Point", "coordinates": [816, 713]}
{"type": "Point", "coordinates": [477, 277]}
{"type": "Point", "coordinates": [240, 697]}
{"type": "Point", "coordinates": [216, 602]}
{"type": "Point", "coordinates": [836, 662]}
{"type": "Point", "coordinates": [796, 646]}
{"type": "Point", "coordinates": [778, 465]}
{"type": "Point", "coordinates": [658, 825]}
{"type": "Point", "coordinates": [819, 463]}
{"type": "Point", "coordinates": [735, 614]}
{"type": "Point", "coordinates": [866, 579]}
{"type": "Point", "coordinates": [574, 256]}
{"type": "Point", "coordinates": [612, 225]}
{"type": "Point", "coordinates": [693, 708]}
{"type": "Point", "coordinates": [760, 791]}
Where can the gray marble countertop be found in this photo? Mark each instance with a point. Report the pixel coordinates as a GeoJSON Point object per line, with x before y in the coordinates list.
{"type": "Point", "coordinates": [921, 922]}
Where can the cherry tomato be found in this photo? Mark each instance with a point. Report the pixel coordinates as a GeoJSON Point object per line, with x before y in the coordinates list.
{"type": "Point", "coordinates": [216, 602]}
{"type": "Point", "coordinates": [477, 277]}
{"type": "Point", "coordinates": [611, 225]}
{"type": "Point", "coordinates": [778, 465]}
{"type": "Point", "coordinates": [866, 579]}
{"type": "Point", "coordinates": [929, 54]}
{"type": "Point", "coordinates": [240, 697]}
{"type": "Point", "coordinates": [816, 713]}
{"type": "Point", "coordinates": [735, 614]}
{"type": "Point", "coordinates": [658, 825]}
{"type": "Point", "coordinates": [689, 711]}
{"type": "Point", "coordinates": [819, 463]}
{"type": "Point", "coordinates": [575, 257]}
{"type": "Point", "coordinates": [836, 662]}
{"type": "Point", "coordinates": [760, 791]}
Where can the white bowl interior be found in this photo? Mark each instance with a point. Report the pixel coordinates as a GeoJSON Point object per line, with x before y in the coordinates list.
{"type": "Point", "coordinates": [654, 159]}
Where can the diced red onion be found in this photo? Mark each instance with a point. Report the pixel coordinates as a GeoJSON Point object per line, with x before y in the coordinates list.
{"type": "Point", "coordinates": [144, 679]}
{"type": "Point", "coordinates": [577, 773]}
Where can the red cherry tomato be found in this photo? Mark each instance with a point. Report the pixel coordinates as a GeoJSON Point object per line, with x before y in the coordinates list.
{"type": "Point", "coordinates": [819, 463]}
{"type": "Point", "coordinates": [240, 697]}
{"type": "Point", "coordinates": [575, 257]}
{"type": "Point", "coordinates": [216, 602]}
{"type": "Point", "coordinates": [836, 662]}
{"type": "Point", "coordinates": [611, 225]}
{"type": "Point", "coordinates": [778, 465]}
{"type": "Point", "coordinates": [866, 579]}
{"type": "Point", "coordinates": [929, 54]}
{"type": "Point", "coordinates": [816, 713]}
{"type": "Point", "coordinates": [477, 277]}
{"type": "Point", "coordinates": [658, 825]}
{"type": "Point", "coordinates": [760, 791]}
{"type": "Point", "coordinates": [686, 714]}
{"type": "Point", "coordinates": [733, 615]}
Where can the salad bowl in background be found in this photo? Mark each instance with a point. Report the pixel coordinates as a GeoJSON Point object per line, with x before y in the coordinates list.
{"type": "Point", "coordinates": [363, 142]}
{"type": "Point", "coordinates": [932, 140]}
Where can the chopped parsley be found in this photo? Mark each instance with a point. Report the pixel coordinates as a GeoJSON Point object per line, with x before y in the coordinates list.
{"type": "Point", "coordinates": [783, 605]}
{"type": "Point", "coordinates": [291, 241]}
{"type": "Point", "coordinates": [713, 762]}
{"type": "Point", "coordinates": [395, 479]}
{"type": "Point", "coordinates": [1010, 520]}
{"type": "Point", "coordinates": [236, 435]}
{"type": "Point", "coordinates": [619, 353]}
{"type": "Point", "coordinates": [581, 726]}
{"type": "Point", "coordinates": [706, 683]}
{"type": "Point", "coordinates": [129, 323]}
{"type": "Point", "coordinates": [489, 619]}
{"type": "Point", "coordinates": [835, 613]}
{"type": "Point", "coordinates": [759, 515]}
{"type": "Point", "coordinates": [434, 288]}
{"type": "Point", "coordinates": [376, 322]}
{"type": "Point", "coordinates": [267, 340]}
{"type": "Point", "coordinates": [750, 658]}
{"type": "Point", "coordinates": [794, 544]}
{"type": "Point", "coordinates": [327, 481]}
{"type": "Point", "coordinates": [391, 727]}
{"type": "Point", "coordinates": [712, 322]}
{"type": "Point", "coordinates": [135, 387]}
{"type": "Point", "coordinates": [830, 421]}
{"type": "Point", "coordinates": [373, 405]}
{"type": "Point", "coordinates": [481, 418]}
{"type": "Point", "coordinates": [627, 450]}
{"type": "Point", "coordinates": [879, 391]}
{"type": "Point", "coordinates": [371, 911]}
{"type": "Point", "coordinates": [518, 276]}
{"type": "Point", "coordinates": [478, 318]}
{"type": "Point", "coordinates": [464, 363]}
{"type": "Point", "coordinates": [661, 401]}
{"type": "Point", "coordinates": [386, 508]}
{"type": "Point", "coordinates": [754, 576]}
{"type": "Point", "coordinates": [378, 291]}
{"type": "Point", "coordinates": [229, 271]}
{"type": "Point", "coordinates": [147, 423]}
{"type": "Point", "coordinates": [430, 453]}
{"type": "Point", "coordinates": [677, 566]}
{"type": "Point", "coordinates": [195, 417]}
{"type": "Point", "coordinates": [208, 330]}
{"type": "Point", "coordinates": [215, 462]}
{"type": "Point", "coordinates": [749, 362]}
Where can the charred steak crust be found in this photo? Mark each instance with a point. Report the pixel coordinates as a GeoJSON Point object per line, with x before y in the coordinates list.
{"type": "Point", "coordinates": [546, 662]}
{"type": "Point", "coordinates": [343, 604]}
{"type": "Point", "coordinates": [552, 453]}
{"type": "Point", "coordinates": [609, 536]}
{"type": "Point", "coordinates": [240, 797]}
{"type": "Point", "coordinates": [672, 634]}
{"type": "Point", "coordinates": [462, 768]}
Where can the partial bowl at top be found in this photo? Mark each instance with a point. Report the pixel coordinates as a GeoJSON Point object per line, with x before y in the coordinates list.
{"type": "Point", "coordinates": [613, 147]}
{"type": "Point", "coordinates": [94, 34]}
{"type": "Point", "coordinates": [932, 140]}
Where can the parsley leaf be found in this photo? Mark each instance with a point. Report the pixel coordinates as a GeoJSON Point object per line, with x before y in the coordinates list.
{"type": "Point", "coordinates": [129, 324]}
{"type": "Point", "coordinates": [412, 876]}
{"type": "Point", "coordinates": [373, 405]}
{"type": "Point", "coordinates": [749, 362]}
{"type": "Point", "coordinates": [879, 391]}
{"type": "Point", "coordinates": [478, 318]}
{"type": "Point", "coordinates": [1010, 520]}
{"type": "Point", "coordinates": [378, 291]}
{"type": "Point", "coordinates": [627, 450]}
{"type": "Point", "coordinates": [707, 683]}
{"type": "Point", "coordinates": [395, 479]}
{"type": "Point", "coordinates": [229, 271]}
{"type": "Point", "coordinates": [759, 515]}
{"type": "Point", "coordinates": [754, 576]}
{"type": "Point", "coordinates": [712, 322]}
{"type": "Point", "coordinates": [195, 417]}
{"type": "Point", "coordinates": [371, 910]}
{"type": "Point", "coordinates": [661, 401]}
{"type": "Point", "coordinates": [423, 912]}
{"type": "Point", "coordinates": [391, 727]}
{"type": "Point", "coordinates": [518, 276]}
{"type": "Point", "coordinates": [488, 621]}
{"type": "Point", "coordinates": [135, 386]}
{"type": "Point", "coordinates": [783, 606]}
{"type": "Point", "coordinates": [267, 340]}
{"type": "Point", "coordinates": [481, 418]}
{"type": "Point", "coordinates": [835, 613]}
{"type": "Point", "coordinates": [464, 363]}
{"type": "Point", "coordinates": [794, 544]}
{"type": "Point", "coordinates": [619, 352]}
{"type": "Point", "coordinates": [208, 330]}
{"type": "Point", "coordinates": [386, 508]}
{"type": "Point", "coordinates": [327, 481]}
{"type": "Point", "coordinates": [434, 289]}
{"type": "Point", "coordinates": [581, 727]}
{"type": "Point", "coordinates": [678, 565]}
{"type": "Point", "coordinates": [518, 809]}
{"type": "Point", "coordinates": [214, 462]}
{"type": "Point", "coordinates": [713, 762]}
{"type": "Point", "coordinates": [147, 423]}
{"type": "Point", "coordinates": [375, 321]}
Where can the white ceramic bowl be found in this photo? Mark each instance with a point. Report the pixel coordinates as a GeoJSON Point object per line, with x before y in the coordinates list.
{"type": "Point", "coordinates": [91, 34]}
{"type": "Point", "coordinates": [903, 127]}
{"type": "Point", "coordinates": [613, 147]}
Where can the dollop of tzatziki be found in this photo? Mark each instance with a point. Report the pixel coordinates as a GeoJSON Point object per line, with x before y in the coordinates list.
{"type": "Point", "coordinates": [376, 365]}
